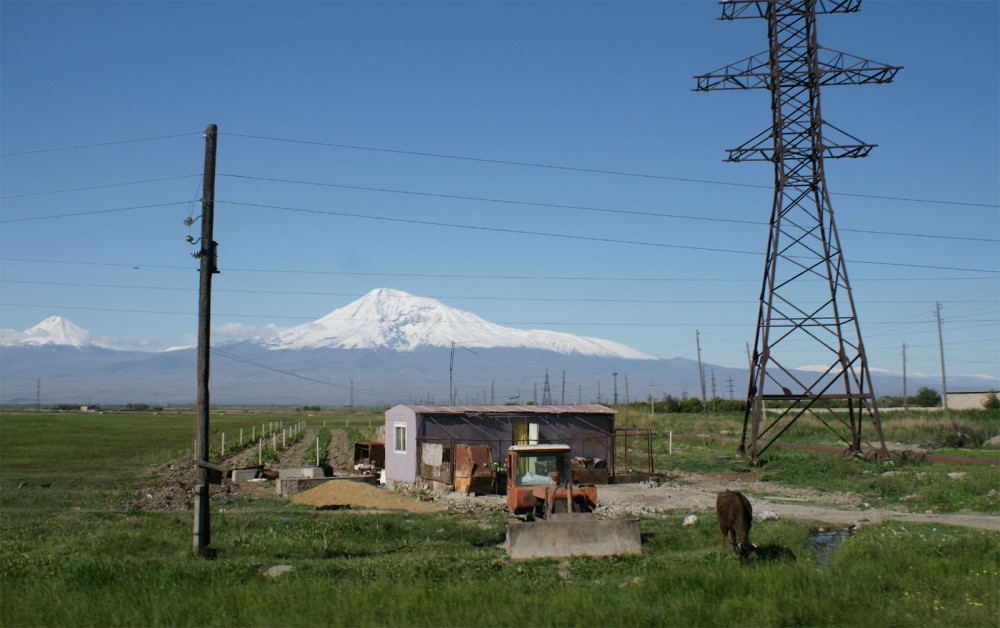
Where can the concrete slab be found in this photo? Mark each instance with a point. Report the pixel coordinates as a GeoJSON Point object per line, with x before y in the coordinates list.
{"type": "Point", "coordinates": [301, 472]}
{"type": "Point", "coordinates": [245, 475]}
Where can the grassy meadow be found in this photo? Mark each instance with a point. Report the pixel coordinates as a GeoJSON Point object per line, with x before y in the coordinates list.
{"type": "Point", "coordinates": [72, 553]}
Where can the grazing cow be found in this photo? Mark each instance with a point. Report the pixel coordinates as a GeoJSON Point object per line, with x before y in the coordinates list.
{"type": "Point", "coordinates": [735, 515]}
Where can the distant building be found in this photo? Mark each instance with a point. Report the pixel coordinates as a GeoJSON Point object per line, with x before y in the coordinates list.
{"type": "Point", "coordinates": [420, 440]}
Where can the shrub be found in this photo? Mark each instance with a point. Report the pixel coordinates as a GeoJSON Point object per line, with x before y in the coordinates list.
{"type": "Point", "coordinates": [926, 398]}
{"type": "Point", "coordinates": [991, 403]}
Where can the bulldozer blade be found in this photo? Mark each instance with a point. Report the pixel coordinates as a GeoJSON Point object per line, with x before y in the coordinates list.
{"type": "Point", "coordinates": [565, 536]}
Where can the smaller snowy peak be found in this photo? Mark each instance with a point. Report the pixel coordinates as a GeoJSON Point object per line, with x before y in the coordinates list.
{"type": "Point", "coordinates": [54, 330]}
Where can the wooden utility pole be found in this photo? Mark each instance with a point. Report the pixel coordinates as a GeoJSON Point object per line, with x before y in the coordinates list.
{"type": "Point", "coordinates": [906, 403]}
{"type": "Point", "coordinates": [207, 254]}
{"type": "Point", "coordinates": [701, 376]}
{"type": "Point", "coordinates": [714, 396]}
{"type": "Point", "coordinates": [944, 386]}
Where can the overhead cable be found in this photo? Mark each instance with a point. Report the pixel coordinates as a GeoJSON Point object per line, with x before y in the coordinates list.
{"type": "Point", "coordinates": [620, 173]}
{"type": "Point", "coordinates": [97, 144]}
{"type": "Point", "coordinates": [628, 212]}
{"type": "Point", "coordinates": [573, 237]}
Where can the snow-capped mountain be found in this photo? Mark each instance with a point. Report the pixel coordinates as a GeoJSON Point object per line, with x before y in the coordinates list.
{"type": "Point", "coordinates": [387, 347]}
{"type": "Point", "coordinates": [397, 320]}
{"type": "Point", "coordinates": [54, 330]}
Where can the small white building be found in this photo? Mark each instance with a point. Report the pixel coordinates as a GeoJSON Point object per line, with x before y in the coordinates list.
{"type": "Point", "coordinates": [968, 400]}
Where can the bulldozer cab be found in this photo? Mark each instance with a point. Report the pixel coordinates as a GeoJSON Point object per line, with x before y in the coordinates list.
{"type": "Point", "coordinates": [538, 465]}
{"type": "Point", "coordinates": [539, 482]}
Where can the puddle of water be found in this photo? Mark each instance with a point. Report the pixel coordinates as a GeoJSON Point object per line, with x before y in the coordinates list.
{"type": "Point", "coordinates": [825, 542]}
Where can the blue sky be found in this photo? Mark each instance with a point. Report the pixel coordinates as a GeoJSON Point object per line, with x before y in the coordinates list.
{"type": "Point", "coordinates": [586, 87]}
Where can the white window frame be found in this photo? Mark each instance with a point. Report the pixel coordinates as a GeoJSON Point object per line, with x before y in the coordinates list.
{"type": "Point", "coordinates": [397, 446]}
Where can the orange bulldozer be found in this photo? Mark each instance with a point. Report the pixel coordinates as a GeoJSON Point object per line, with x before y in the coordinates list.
{"type": "Point", "coordinates": [555, 517]}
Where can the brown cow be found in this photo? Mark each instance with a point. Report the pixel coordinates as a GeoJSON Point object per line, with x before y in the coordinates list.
{"type": "Point", "coordinates": [735, 515]}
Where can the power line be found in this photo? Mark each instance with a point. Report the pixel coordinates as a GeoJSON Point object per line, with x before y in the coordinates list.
{"type": "Point", "coordinates": [466, 297]}
{"type": "Point", "coordinates": [584, 207]}
{"type": "Point", "coordinates": [236, 358]}
{"type": "Point", "coordinates": [431, 223]}
{"type": "Point", "coordinates": [453, 197]}
{"type": "Point", "coordinates": [505, 162]}
{"type": "Point", "coordinates": [101, 187]}
{"type": "Point", "coordinates": [93, 212]}
{"type": "Point", "coordinates": [586, 170]}
{"type": "Point", "coordinates": [524, 323]}
{"type": "Point", "coordinates": [98, 144]}
{"type": "Point", "coordinates": [309, 271]}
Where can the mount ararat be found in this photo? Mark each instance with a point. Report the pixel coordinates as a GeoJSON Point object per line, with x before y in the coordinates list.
{"type": "Point", "coordinates": [387, 347]}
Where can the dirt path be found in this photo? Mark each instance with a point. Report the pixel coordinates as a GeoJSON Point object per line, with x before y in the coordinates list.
{"type": "Point", "coordinates": [695, 494]}
{"type": "Point", "coordinates": [340, 452]}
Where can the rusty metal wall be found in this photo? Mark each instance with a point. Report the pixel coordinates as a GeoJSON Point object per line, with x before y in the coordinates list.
{"type": "Point", "coordinates": [589, 435]}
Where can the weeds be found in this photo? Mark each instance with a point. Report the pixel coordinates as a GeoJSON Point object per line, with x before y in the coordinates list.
{"type": "Point", "coordinates": [71, 555]}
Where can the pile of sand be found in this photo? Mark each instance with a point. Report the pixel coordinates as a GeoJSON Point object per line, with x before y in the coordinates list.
{"type": "Point", "coordinates": [353, 494]}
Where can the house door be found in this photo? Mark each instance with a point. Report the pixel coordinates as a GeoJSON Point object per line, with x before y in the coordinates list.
{"type": "Point", "coordinates": [524, 433]}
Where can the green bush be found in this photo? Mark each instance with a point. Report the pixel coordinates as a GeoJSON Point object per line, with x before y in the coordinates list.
{"type": "Point", "coordinates": [991, 403]}
{"type": "Point", "coordinates": [926, 398]}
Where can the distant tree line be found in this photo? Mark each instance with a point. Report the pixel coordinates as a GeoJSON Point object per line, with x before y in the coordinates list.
{"type": "Point", "coordinates": [924, 398]}
{"type": "Point", "coordinates": [142, 407]}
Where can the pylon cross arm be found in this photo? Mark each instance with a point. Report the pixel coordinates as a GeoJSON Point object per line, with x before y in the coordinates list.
{"type": "Point", "coordinates": [832, 68]}
{"type": "Point", "coordinates": [747, 9]}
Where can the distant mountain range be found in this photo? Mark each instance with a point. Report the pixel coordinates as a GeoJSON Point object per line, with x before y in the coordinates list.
{"type": "Point", "coordinates": [387, 347]}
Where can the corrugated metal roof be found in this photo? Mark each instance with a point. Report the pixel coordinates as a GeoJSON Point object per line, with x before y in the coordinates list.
{"type": "Point", "coordinates": [592, 408]}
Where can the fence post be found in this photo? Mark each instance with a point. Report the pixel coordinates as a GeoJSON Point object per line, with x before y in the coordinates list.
{"type": "Point", "coordinates": [222, 451]}
{"type": "Point", "coordinates": [670, 449]}
{"type": "Point", "coordinates": [317, 451]}
{"type": "Point", "coordinates": [260, 452]}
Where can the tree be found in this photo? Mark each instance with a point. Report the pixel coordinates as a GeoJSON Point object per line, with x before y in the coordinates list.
{"type": "Point", "coordinates": [926, 398]}
{"type": "Point", "coordinates": [992, 403]}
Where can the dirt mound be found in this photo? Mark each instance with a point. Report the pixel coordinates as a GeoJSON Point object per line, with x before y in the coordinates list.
{"type": "Point", "coordinates": [352, 494]}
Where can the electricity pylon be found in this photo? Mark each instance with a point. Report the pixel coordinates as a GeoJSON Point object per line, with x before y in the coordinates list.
{"type": "Point", "coordinates": [806, 308]}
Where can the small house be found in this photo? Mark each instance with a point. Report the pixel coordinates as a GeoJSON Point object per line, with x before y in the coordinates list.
{"type": "Point", "coordinates": [421, 441]}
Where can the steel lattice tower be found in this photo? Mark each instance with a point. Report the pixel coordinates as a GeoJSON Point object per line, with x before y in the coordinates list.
{"type": "Point", "coordinates": [806, 308]}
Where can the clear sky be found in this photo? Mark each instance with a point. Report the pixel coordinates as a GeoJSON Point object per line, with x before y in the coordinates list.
{"type": "Point", "coordinates": [486, 154]}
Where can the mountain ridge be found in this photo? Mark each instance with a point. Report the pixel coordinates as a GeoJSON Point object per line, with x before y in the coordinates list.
{"type": "Point", "coordinates": [386, 347]}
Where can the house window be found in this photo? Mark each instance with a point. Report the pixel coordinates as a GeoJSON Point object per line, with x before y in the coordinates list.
{"type": "Point", "coordinates": [399, 440]}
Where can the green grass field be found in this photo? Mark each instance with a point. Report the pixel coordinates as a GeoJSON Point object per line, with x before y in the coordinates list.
{"type": "Point", "coordinates": [72, 554]}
